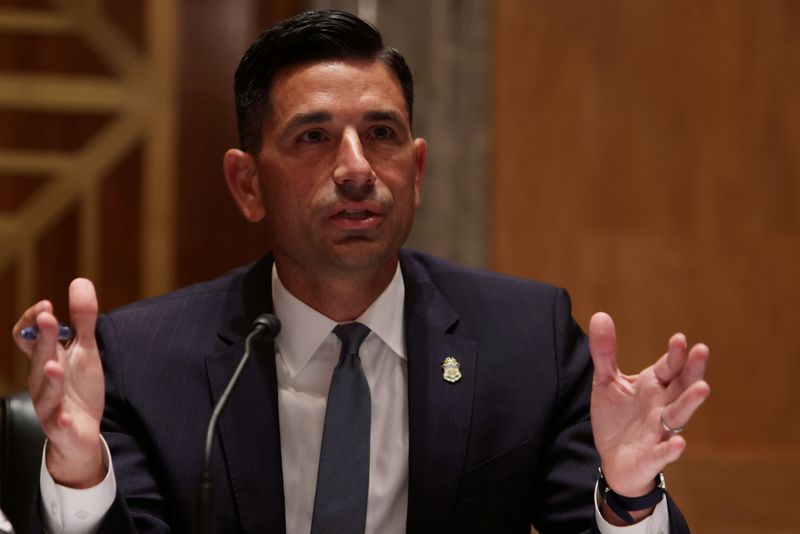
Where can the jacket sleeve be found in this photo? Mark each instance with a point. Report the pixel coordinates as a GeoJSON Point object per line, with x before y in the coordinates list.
{"type": "Point", "coordinates": [566, 488]}
{"type": "Point", "coordinates": [139, 505]}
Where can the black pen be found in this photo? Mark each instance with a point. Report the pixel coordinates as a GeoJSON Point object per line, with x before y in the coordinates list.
{"type": "Point", "coordinates": [30, 333]}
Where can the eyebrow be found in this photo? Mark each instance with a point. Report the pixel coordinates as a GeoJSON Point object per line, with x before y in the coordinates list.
{"type": "Point", "coordinates": [383, 116]}
{"type": "Point", "coordinates": [302, 119]}
{"type": "Point", "coordinates": [317, 117]}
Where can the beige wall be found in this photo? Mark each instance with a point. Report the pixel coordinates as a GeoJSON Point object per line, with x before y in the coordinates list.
{"type": "Point", "coordinates": [446, 45]}
{"type": "Point", "coordinates": [647, 157]}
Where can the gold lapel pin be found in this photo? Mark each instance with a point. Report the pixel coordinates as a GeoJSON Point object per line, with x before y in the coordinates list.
{"type": "Point", "coordinates": [451, 370]}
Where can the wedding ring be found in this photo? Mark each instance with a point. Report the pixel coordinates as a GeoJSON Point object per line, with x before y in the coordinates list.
{"type": "Point", "coordinates": [668, 429]}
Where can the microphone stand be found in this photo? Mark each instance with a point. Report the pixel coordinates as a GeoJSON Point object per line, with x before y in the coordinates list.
{"type": "Point", "coordinates": [266, 324]}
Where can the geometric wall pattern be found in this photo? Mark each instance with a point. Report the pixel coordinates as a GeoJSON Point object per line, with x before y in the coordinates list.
{"type": "Point", "coordinates": [86, 91]}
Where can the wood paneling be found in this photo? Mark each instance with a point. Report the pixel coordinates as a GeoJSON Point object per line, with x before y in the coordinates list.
{"type": "Point", "coordinates": [65, 118]}
{"type": "Point", "coordinates": [647, 158]}
{"type": "Point", "coordinates": [11, 369]}
{"type": "Point", "coordinates": [212, 236]}
{"type": "Point", "coordinates": [114, 117]}
{"type": "Point", "coordinates": [120, 198]}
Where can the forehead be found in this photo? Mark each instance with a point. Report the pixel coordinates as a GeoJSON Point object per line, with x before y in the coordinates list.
{"type": "Point", "coordinates": [335, 86]}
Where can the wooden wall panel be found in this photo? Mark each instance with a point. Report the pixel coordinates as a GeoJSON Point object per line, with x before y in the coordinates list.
{"type": "Point", "coordinates": [11, 374]}
{"type": "Point", "coordinates": [118, 278]}
{"type": "Point", "coordinates": [114, 117]}
{"type": "Point", "coordinates": [647, 158]}
{"type": "Point", "coordinates": [212, 236]}
{"type": "Point", "coordinates": [67, 73]}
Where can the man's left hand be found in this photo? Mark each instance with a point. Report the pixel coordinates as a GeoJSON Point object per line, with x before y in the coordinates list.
{"type": "Point", "coordinates": [629, 411]}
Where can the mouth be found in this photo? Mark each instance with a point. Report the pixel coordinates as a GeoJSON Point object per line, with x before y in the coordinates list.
{"type": "Point", "coordinates": [355, 215]}
{"type": "Point", "coordinates": [356, 219]}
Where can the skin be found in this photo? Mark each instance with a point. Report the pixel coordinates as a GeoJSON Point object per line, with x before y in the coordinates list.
{"type": "Point", "coordinates": [67, 387]}
{"type": "Point", "coordinates": [627, 410]}
{"type": "Point", "coordinates": [337, 141]}
{"type": "Point", "coordinates": [338, 179]}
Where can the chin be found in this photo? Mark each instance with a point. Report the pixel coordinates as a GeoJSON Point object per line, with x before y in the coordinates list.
{"type": "Point", "coordinates": [363, 255]}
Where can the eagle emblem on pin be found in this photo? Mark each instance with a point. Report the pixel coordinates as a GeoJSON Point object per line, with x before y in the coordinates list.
{"type": "Point", "coordinates": [451, 371]}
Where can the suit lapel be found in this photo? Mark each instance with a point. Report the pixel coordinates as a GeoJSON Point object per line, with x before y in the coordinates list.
{"type": "Point", "coordinates": [248, 427]}
{"type": "Point", "coordinates": [440, 412]}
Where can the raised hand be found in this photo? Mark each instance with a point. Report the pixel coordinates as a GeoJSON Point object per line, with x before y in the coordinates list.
{"type": "Point", "coordinates": [634, 417]}
{"type": "Point", "coordinates": [67, 387]}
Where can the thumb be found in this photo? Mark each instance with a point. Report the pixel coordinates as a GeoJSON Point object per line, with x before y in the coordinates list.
{"type": "Point", "coordinates": [603, 346]}
{"type": "Point", "coordinates": [83, 308]}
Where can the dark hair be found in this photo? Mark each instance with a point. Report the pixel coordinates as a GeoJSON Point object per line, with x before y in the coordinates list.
{"type": "Point", "coordinates": [305, 38]}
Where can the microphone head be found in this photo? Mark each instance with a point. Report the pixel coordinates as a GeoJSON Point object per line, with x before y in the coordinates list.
{"type": "Point", "coordinates": [267, 323]}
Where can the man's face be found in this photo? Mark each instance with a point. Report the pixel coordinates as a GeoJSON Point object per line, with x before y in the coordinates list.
{"type": "Point", "coordinates": [339, 172]}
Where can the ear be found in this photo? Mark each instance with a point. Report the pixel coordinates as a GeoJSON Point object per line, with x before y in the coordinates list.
{"type": "Point", "coordinates": [241, 175]}
{"type": "Point", "coordinates": [421, 153]}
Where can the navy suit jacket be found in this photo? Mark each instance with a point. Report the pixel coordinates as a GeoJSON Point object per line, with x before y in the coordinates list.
{"type": "Point", "coordinates": [507, 446]}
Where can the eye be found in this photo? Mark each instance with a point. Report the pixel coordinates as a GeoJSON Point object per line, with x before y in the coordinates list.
{"type": "Point", "coordinates": [380, 133]}
{"type": "Point", "coordinates": [313, 136]}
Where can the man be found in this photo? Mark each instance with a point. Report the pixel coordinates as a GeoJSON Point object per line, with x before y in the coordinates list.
{"type": "Point", "coordinates": [479, 385]}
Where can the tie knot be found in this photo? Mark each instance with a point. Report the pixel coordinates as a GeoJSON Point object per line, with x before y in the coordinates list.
{"type": "Point", "coordinates": [352, 335]}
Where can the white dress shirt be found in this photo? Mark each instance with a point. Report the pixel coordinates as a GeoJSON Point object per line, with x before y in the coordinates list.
{"type": "Point", "coordinates": [306, 353]}
{"type": "Point", "coordinates": [307, 350]}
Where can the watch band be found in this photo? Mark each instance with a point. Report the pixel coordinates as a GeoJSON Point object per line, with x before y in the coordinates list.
{"type": "Point", "coordinates": [622, 506]}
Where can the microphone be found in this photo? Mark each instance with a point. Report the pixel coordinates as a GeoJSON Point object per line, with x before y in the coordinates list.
{"type": "Point", "coordinates": [265, 324]}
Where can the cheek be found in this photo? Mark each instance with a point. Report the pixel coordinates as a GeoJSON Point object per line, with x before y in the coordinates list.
{"type": "Point", "coordinates": [399, 173]}
{"type": "Point", "coordinates": [277, 187]}
{"type": "Point", "coordinates": [296, 207]}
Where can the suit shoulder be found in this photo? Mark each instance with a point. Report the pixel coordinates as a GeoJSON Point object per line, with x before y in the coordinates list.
{"type": "Point", "coordinates": [165, 328]}
{"type": "Point", "coordinates": [188, 296]}
{"type": "Point", "coordinates": [451, 278]}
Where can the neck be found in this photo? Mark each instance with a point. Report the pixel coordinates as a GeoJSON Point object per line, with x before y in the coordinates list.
{"type": "Point", "coordinates": [342, 296]}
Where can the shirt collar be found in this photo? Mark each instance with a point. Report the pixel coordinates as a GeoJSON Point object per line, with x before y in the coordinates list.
{"type": "Point", "coordinates": [303, 329]}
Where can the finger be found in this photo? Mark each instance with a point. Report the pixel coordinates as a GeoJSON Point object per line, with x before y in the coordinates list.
{"type": "Point", "coordinates": [83, 310]}
{"type": "Point", "coordinates": [695, 367]}
{"type": "Point", "coordinates": [45, 349]}
{"type": "Point", "coordinates": [671, 364]}
{"type": "Point", "coordinates": [603, 347]}
{"type": "Point", "coordinates": [668, 451]}
{"type": "Point", "coordinates": [48, 397]}
{"type": "Point", "coordinates": [678, 414]}
{"type": "Point", "coordinates": [27, 319]}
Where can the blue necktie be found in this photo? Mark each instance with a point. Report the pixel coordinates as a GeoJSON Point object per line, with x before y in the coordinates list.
{"type": "Point", "coordinates": [340, 505]}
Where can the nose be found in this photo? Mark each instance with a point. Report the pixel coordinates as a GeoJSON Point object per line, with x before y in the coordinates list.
{"type": "Point", "coordinates": [352, 167]}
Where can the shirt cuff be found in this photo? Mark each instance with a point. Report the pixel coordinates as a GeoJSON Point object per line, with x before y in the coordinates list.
{"type": "Point", "coordinates": [75, 511]}
{"type": "Point", "coordinates": [656, 523]}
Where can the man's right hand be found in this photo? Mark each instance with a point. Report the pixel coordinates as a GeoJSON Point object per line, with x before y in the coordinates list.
{"type": "Point", "coordinates": [67, 387]}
